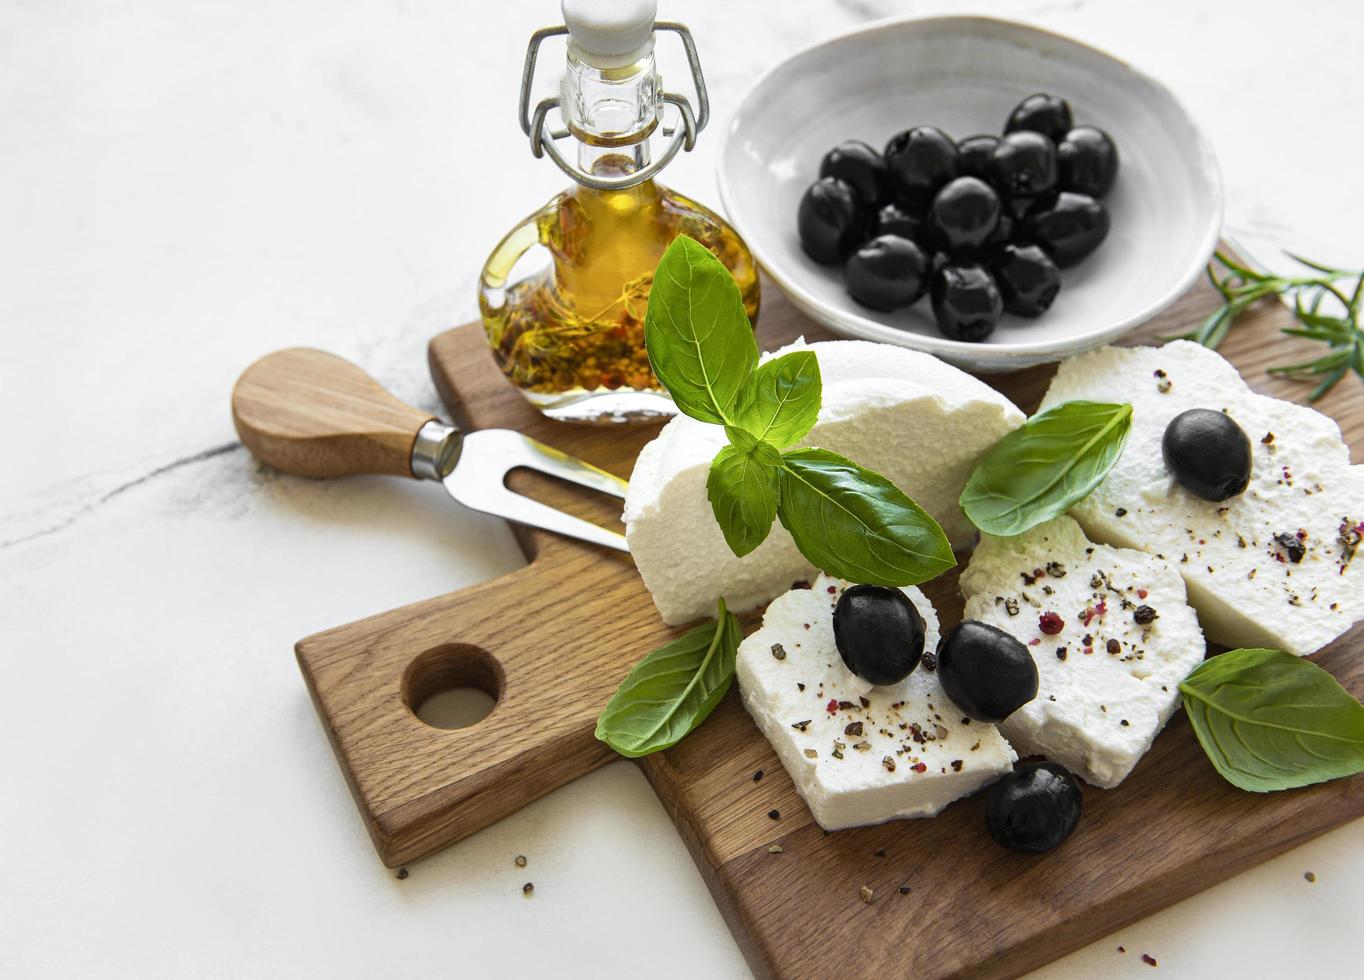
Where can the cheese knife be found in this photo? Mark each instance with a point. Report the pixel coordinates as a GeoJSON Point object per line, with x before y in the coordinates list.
{"type": "Point", "coordinates": [311, 413]}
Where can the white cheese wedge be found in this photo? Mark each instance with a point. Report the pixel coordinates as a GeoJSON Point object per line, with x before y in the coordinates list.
{"type": "Point", "coordinates": [1118, 638]}
{"type": "Point", "coordinates": [859, 754]}
{"type": "Point", "coordinates": [1269, 568]}
{"type": "Point", "coordinates": [918, 421]}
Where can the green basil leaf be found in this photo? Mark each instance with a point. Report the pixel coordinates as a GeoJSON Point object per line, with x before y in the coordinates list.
{"type": "Point", "coordinates": [1269, 720]}
{"type": "Point", "coordinates": [699, 340]}
{"type": "Point", "coordinates": [857, 525]}
{"type": "Point", "coordinates": [672, 690]}
{"type": "Point", "coordinates": [780, 403]}
{"type": "Point", "coordinates": [742, 489]}
{"type": "Point", "coordinates": [1046, 466]}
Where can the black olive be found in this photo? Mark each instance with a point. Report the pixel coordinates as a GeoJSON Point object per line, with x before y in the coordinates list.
{"type": "Point", "coordinates": [1087, 161]}
{"type": "Point", "coordinates": [974, 155]}
{"type": "Point", "coordinates": [987, 673]}
{"type": "Point", "coordinates": [920, 160]}
{"type": "Point", "coordinates": [860, 167]}
{"type": "Point", "coordinates": [879, 633]}
{"type": "Point", "coordinates": [1069, 227]}
{"type": "Point", "coordinates": [963, 215]}
{"type": "Point", "coordinates": [936, 264]}
{"type": "Point", "coordinates": [1023, 166]}
{"type": "Point", "coordinates": [1034, 808]}
{"type": "Point", "coordinates": [887, 273]}
{"type": "Point", "coordinates": [830, 220]}
{"type": "Point", "coordinates": [1207, 453]}
{"type": "Point", "coordinates": [1004, 231]}
{"type": "Point", "coordinates": [1041, 113]}
{"type": "Point", "coordinates": [1028, 279]}
{"type": "Point", "coordinates": [966, 301]}
{"type": "Point", "coordinates": [895, 220]}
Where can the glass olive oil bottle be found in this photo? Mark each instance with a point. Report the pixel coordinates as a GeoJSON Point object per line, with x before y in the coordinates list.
{"type": "Point", "coordinates": [563, 295]}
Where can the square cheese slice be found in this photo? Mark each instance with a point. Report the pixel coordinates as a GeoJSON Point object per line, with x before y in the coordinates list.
{"type": "Point", "coordinates": [1272, 567]}
{"type": "Point", "coordinates": [1110, 632]}
{"type": "Point", "coordinates": [858, 753]}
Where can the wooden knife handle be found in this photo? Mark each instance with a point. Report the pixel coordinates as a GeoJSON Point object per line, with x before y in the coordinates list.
{"type": "Point", "coordinates": [315, 414]}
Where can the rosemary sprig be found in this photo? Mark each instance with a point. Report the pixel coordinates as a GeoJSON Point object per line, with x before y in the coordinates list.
{"type": "Point", "coordinates": [1242, 287]}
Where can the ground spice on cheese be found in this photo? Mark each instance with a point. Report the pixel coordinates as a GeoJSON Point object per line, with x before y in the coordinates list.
{"type": "Point", "coordinates": [1291, 546]}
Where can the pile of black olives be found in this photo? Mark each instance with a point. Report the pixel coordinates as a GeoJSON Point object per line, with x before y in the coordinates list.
{"type": "Point", "coordinates": [982, 225]}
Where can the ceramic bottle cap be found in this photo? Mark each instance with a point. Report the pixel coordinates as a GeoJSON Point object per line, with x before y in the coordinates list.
{"type": "Point", "coordinates": [610, 33]}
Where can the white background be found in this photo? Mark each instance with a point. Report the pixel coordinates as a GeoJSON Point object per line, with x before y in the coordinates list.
{"type": "Point", "coordinates": [187, 185]}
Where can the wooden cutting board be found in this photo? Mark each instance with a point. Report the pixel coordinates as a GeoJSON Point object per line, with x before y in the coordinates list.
{"type": "Point", "coordinates": [551, 642]}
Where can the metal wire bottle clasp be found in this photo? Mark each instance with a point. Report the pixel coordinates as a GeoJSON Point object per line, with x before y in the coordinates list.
{"type": "Point", "coordinates": [681, 132]}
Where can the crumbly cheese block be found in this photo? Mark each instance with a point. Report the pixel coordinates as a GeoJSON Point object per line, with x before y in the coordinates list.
{"type": "Point", "coordinates": [1117, 639]}
{"type": "Point", "coordinates": [1269, 568]}
{"type": "Point", "coordinates": [859, 754]}
{"type": "Point", "coordinates": [918, 421]}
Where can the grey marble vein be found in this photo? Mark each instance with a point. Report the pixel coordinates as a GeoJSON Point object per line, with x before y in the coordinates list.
{"type": "Point", "coordinates": [122, 488]}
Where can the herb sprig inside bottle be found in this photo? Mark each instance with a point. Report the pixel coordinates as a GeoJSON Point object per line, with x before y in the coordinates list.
{"type": "Point", "coordinates": [848, 521]}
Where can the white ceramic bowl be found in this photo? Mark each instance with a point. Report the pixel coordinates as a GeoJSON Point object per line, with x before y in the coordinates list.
{"type": "Point", "coordinates": [965, 74]}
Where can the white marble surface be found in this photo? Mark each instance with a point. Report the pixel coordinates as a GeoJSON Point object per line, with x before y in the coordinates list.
{"type": "Point", "coordinates": [184, 186]}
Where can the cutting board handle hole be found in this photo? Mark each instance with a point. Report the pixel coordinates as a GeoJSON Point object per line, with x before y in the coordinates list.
{"type": "Point", "coordinates": [453, 686]}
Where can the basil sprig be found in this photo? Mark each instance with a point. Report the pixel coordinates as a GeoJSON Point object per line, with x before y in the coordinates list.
{"type": "Point", "coordinates": [1269, 720]}
{"type": "Point", "coordinates": [743, 488]}
{"type": "Point", "coordinates": [688, 332]}
{"type": "Point", "coordinates": [1045, 466]}
{"type": "Point", "coordinates": [780, 403]}
{"type": "Point", "coordinates": [846, 520]}
{"type": "Point", "coordinates": [856, 524]}
{"type": "Point", "coordinates": [673, 689]}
